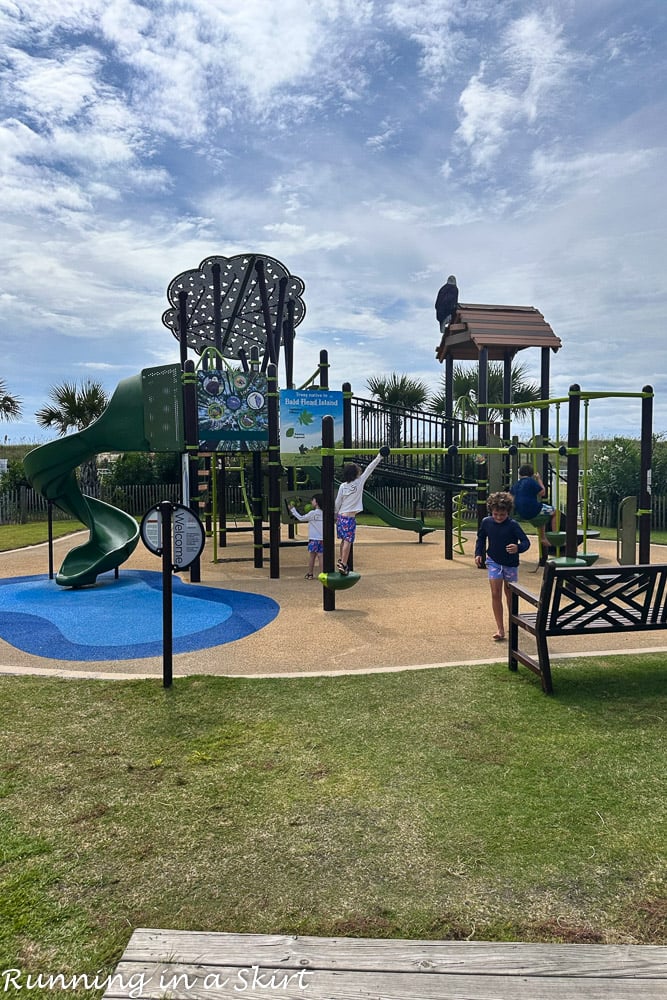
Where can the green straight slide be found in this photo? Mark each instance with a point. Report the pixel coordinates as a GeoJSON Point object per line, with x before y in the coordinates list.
{"type": "Point", "coordinates": [375, 506]}
{"type": "Point", "coordinates": [145, 413]}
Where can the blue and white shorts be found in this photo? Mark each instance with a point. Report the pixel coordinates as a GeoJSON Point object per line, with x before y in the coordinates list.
{"type": "Point", "coordinates": [346, 528]}
{"type": "Point", "coordinates": [316, 545]}
{"type": "Point", "coordinates": [510, 574]}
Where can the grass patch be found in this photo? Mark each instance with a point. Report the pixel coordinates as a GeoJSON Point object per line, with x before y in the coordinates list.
{"type": "Point", "coordinates": [455, 803]}
{"type": "Point", "coordinates": [17, 536]}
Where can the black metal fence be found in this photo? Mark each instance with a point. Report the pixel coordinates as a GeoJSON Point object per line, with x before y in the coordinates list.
{"type": "Point", "coordinates": [375, 423]}
{"type": "Point", "coordinates": [21, 506]}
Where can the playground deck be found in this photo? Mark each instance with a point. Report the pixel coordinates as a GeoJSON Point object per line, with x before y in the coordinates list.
{"type": "Point", "coordinates": [219, 966]}
{"type": "Point", "coordinates": [411, 608]}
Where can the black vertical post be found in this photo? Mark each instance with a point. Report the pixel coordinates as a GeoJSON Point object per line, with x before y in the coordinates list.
{"type": "Point", "coordinates": [329, 553]}
{"type": "Point", "coordinates": [347, 442]}
{"type": "Point", "coordinates": [645, 489]}
{"type": "Point", "coordinates": [217, 311]}
{"type": "Point", "coordinates": [449, 459]}
{"type": "Point", "coordinates": [291, 485]}
{"type": "Point", "coordinates": [347, 415]}
{"type": "Point", "coordinates": [49, 515]}
{"type": "Point", "coordinates": [274, 474]}
{"type": "Point", "coordinates": [192, 448]}
{"type": "Point", "coordinates": [545, 393]}
{"type": "Point", "coordinates": [256, 507]}
{"type": "Point", "coordinates": [323, 370]}
{"type": "Point", "coordinates": [507, 395]}
{"type": "Point", "coordinates": [507, 413]}
{"type": "Point", "coordinates": [278, 329]}
{"type": "Point", "coordinates": [269, 355]}
{"type": "Point", "coordinates": [572, 493]}
{"type": "Point", "coordinates": [183, 327]}
{"type": "Point", "coordinates": [256, 488]}
{"type": "Point", "coordinates": [221, 483]}
{"type": "Point", "coordinates": [209, 469]}
{"type": "Point", "coordinates": [288, 340]}
{"type": "Point", "coordinates": [167, 603]}
{"type": "Point", "coordinates": [239, 301]}
{"type": "Point", "coordinates": [482, 432]}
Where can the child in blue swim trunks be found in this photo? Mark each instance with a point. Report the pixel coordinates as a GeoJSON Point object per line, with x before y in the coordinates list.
{"type": "Point", "coordinates": [500, 539]}
{"type": "Point", "coordinates": [350, 502]}
{"type": "Point", "coordinates": [313, 518]}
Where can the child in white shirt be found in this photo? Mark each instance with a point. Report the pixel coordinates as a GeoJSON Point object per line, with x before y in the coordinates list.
{"type": "Point", "coordinates": [350, 502]}
{"type": "Point", "coordinates": [313, 517]}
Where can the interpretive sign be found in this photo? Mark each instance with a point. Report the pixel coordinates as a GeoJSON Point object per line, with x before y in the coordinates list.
{"type": "Point", "coordinates": [233, 410]}
{"type": "Point", "coordinates": [301, 412]}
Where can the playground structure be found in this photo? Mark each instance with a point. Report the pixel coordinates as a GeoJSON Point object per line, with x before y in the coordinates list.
{"type": "Point", "coordinates": [497, 333]}
{"type": "Point", "coordinates": [243, 310]}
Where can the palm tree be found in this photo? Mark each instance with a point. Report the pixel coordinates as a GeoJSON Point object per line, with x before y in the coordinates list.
{"type": "Point", "coordinates": [398, 390]}
{"type": "Point", "coordinates": [10, 406]}
{"type": "Point", "coordinates": [74, 407]}
{"type": "Point", "coordinates": [465, 385]}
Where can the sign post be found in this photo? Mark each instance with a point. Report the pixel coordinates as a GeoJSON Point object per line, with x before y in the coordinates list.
{"type": "Point", "coordinates": [167, 601]}
{"type": "Point", "coordinates": [174, 532]}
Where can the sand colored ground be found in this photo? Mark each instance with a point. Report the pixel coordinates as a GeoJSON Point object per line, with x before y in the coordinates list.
{"type": "Point", "coordinates": [411, 608]}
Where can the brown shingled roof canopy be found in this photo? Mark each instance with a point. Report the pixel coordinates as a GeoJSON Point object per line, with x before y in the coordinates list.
{"type": "Point", "coordinates": [499, 329]}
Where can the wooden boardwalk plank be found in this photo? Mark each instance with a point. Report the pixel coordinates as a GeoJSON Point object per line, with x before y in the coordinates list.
{"type": "Point", "coordinates": [219, 966]}
{"type": "Point", "coordinates": [289, 951]}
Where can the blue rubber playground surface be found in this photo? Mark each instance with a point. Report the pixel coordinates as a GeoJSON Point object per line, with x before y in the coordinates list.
{"type": "Point", "coordinates": [121, 619]}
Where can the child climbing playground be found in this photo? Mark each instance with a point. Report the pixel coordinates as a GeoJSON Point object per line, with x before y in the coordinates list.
{"type": "Point", "coordinates": [313, 518]}
{"type": "Point", "coordinates": [528, 492]}
{"type": "Point", "coordinates": [500, 540]}
{"type": "Point", "coordinates": [350, 502]}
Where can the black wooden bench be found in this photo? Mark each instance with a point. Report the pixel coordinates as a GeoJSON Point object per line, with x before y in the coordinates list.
{"type": "Point", "coordinates": [585, 600]}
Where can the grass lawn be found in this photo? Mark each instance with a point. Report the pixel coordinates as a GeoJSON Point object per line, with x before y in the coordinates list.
{"type": "Point", "coordinates": [456, 803]}
{"type": "Point", "coordinates": [17, 536]}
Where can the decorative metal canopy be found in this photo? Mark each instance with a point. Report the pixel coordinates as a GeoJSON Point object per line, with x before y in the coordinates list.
{"type": "Point", "coordinates": [235, 304]}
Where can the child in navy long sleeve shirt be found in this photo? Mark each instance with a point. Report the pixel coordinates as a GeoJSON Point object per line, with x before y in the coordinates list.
{"type": "Point", "coordinates": [500, 539]}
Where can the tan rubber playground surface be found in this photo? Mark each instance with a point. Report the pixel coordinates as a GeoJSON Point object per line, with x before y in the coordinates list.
{"type": "Point", "coordinates": [411, 608]}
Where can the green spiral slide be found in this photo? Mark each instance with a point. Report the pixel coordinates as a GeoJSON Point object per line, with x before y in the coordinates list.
{"type": "Point", "coordinates": [145, 413]}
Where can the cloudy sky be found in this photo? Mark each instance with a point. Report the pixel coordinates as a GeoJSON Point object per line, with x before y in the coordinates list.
{"type": "Point", "coordinates": [372, 146]}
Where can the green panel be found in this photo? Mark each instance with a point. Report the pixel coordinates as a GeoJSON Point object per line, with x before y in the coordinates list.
{"type": "Point", "coordinates": [162, 394]}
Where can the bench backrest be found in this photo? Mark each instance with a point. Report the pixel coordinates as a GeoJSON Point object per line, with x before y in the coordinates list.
{"type": "Point", "coordinates": [580, 599]}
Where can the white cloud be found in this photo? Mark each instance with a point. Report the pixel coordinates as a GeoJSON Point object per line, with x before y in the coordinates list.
{"type": "Point", "coordinates": [592, 170]}
{"type": "Point", "coordinates": [388, 136]}
{"type": "Point", "coordinates": [54, 89]}
{"type": "Point", "coordinates": [529, 74]}
{"type": "Point", "coordinates": [372, 147]}
{"type": "Point", "coordinates": [432, 25]}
